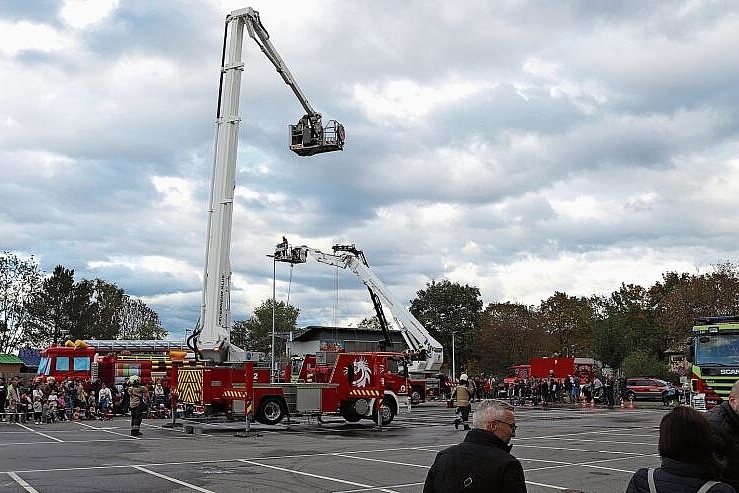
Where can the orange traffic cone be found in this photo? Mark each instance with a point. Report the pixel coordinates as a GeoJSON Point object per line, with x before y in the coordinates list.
{"type": "Point", "coordinates": [583, 403]}
{"type": "Point", "coordinates": [592, 404]}
{"type": "Point", "coordinates": [622, 407]}
{"type": "Point", "coordinates": [631, 403]}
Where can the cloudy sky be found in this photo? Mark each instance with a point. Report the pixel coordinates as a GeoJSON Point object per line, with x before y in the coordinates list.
{"type": "Point", "coordinates": [521, 147]}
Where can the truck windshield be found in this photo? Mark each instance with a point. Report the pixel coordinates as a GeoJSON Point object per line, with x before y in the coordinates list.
{"type": "Point", "coordinates": [717, 349]}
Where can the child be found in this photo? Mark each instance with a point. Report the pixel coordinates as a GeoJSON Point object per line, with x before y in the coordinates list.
{"type": "Point", "coordinates": [51, 415]}
{"type": "Point", "coordinates": [38, 409]}
{"type": "Point", "coordinates": [91, 406]}
{"type": "Point", "coordinates": [61, 407]}
{"type": "Point", "coordinates": [26, 406]}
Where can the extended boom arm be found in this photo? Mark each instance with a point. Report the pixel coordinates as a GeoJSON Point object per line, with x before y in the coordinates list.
{"type": "Point", "coordinates": [414, 333]}
{"type": "Point", "coordinates": [212, 334]}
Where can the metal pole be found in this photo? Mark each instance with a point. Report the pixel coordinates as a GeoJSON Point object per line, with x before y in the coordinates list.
{"type": "Point", "coordinates": [454, 368]}
{"type": "Point", "coordinates": [272, 360]}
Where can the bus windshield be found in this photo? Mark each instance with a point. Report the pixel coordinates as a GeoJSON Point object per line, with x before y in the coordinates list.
{"type": "Point", "coordinates": [717, 349]}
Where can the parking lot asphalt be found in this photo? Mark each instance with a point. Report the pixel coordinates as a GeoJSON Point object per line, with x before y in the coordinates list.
{"type": "Point", "coordinates": [561, 448]}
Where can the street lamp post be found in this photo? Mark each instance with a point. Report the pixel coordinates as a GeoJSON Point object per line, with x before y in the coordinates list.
{"type": "Point", "coordinates": [454, 368]}
{"type": "Point", "coordinates": [272, 357]}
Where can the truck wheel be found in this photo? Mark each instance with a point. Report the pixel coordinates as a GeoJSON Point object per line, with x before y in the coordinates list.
{"type": "Point", "coordinates": [630, 396]}
{"type": "Point", "coordinates": [387, 412]}
{"type": "Point", "coordinates": [416, 395]}
{"type": "Point", "coordinates": [352, 417]}
{"type": "Point", "coordinates": [271, 411]}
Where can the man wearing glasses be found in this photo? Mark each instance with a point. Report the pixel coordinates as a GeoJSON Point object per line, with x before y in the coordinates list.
{"type": "Point", "coordinates": [482, 462]}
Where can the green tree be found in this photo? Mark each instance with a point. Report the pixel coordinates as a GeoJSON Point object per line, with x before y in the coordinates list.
{"type": "Point", "coordinates": [371, 323]}
{"type": "Point", "coordinates": [255, 333]}
{"type": "Point", "coordinates": [569, 321]}
{"type": "Point", "coordinates": [510, 335]}
{"type": "Point", "coordinates": [445, 308]}
{"type": "Point", "coordinates": [52, 317]}
{"type": "Point", "coordinates": [20, 282]}
{"type": "Point", "coordinates": [139, 321]}
{"type": "Point", "coordinates": [105, 310]}
{"type": "Point", "coordinates": [640, 363]}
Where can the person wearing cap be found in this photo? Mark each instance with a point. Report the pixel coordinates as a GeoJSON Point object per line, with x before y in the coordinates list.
{"type": "Point", "coordinates": [483, 461]}
{"type": "Point", "coordinates": [463, 397]}
{"type": "Point", "coordinates": [136, 404]}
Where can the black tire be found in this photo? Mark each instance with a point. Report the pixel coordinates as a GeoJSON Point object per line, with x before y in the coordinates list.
{"type": "Point", "coordinates": [387, 411]}
{"type": "Point", "coordinates": [352, 417]}
{"type": "Point", "coordinates": [271, 411]}
{"type": "Point", "coordinates": [630, 396]}
{"type": "Point", "coordinates": [416, 395]}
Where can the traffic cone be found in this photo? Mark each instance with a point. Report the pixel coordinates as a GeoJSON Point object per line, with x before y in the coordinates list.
{"type": "Point", "coordinates": [583, 403]}
{"type": "Point", "coordinates": [631, 403]}
{"type": "Point", "coordinates": [622, 407]}
{"type": "Point", "coordinates": [592, 404]}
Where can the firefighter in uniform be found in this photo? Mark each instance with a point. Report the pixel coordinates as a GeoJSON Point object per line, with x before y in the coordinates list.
{"type": "Point", "coordinates": [136, 404]}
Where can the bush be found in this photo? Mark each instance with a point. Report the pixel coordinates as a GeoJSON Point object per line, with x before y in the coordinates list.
{"type": "Point", "coordinates": [640, 364]}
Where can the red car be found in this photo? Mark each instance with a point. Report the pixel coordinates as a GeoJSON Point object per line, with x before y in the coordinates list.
{"type": "Point", "coordinates": [647, 388]}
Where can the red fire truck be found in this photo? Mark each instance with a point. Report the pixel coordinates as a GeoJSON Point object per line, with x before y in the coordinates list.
{"type": "Point", "coordinates": [356, 386]}
{"type": "Point", "coordinates": [558, 368]}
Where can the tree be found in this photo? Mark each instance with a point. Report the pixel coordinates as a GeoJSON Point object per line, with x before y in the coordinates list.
{"type": "Point", "coordinates": [106, 310]}
{"type": "Point", "coordinates": [255, 334]}
{"type": "Point", "coordinates": [371, 323]}
{"type": "Point", "coordinates": [20, 281]}
{"type": "Point", "coordinates": [510, 335]}
{"type": "Point", "coordinates": [445, 308]}
{"type": "Point", "coordinates": [51, 313]}
{"type": "Point", "coordinates": [569, 320]}
{"type": "Point", "coordinates": [138, 321]}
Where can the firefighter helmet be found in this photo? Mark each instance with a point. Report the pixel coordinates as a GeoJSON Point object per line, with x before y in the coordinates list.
{"type": "Point", "coordinates": [134, 379]}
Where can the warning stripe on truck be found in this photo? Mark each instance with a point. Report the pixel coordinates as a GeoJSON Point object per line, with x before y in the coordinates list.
{"type": "Point", "coordinates": [190, 386]}
{"type": "Point", "coordinates": [235, 394]}
{"type": "Point", "coordinates": [364, 393]}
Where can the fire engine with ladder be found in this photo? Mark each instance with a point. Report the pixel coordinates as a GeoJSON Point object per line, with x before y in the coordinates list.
{"type": "Point", "coordinates": [228, 380]}
{"type": "Point", "coordinates": [426, 354]}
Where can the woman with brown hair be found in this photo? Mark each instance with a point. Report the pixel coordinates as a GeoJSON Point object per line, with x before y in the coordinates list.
{"type": "Point", "coordinates": [688, 461]}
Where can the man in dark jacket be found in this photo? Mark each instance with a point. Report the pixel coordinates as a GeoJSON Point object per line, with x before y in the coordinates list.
{"type": "Point", "coordinates": [482, 462]}
{"type": "Point", "coordinates": [724, 421]}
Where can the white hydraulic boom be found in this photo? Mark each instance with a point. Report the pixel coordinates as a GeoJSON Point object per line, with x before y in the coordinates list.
{"type": "Point", "coordinates": [414, 333]}
{"type": "Point", "coordinates": [211, 338]}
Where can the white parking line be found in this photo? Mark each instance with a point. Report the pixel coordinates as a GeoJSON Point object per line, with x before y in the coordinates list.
{"type": "Point", "coordinates": [42, 434]}
{"type": "Point", "coordinates": [381, 460]}
{"type": "Point", "coordinates": [22, 483]}
{"type": "Point", "coordinates": [106, 430]}
{"type": "Point", "coordinates": [318, 476]}
{"type": "Point", "coordinates": [168, 478]}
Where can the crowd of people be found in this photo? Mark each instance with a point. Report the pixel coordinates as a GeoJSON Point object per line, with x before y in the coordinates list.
{"type": "Point", "coordinates": [47, 401]}
{"type": "Point", "coordinates": [699, 452]}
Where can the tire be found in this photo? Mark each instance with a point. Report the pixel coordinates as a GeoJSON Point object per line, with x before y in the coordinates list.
{"type": "Point", "coordinates": [271, 411]}
{"type": "Point", "coordinates": [630, 396]}
{"type": "Point", "coordinates": [352, 418]}
{"type": "Point", "coordinates": [387, 411]}
{"type": "Point", "coordinates": [416, 395]}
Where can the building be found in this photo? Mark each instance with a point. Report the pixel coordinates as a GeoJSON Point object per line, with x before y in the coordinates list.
{"type": "Point", "coordinates": [10, 364]}
{"type": "Point", "coordinates": [319, 338]}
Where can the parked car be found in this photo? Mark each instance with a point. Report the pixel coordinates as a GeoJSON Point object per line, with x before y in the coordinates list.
{"type": "Point", "coordinates": [647, 388]}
